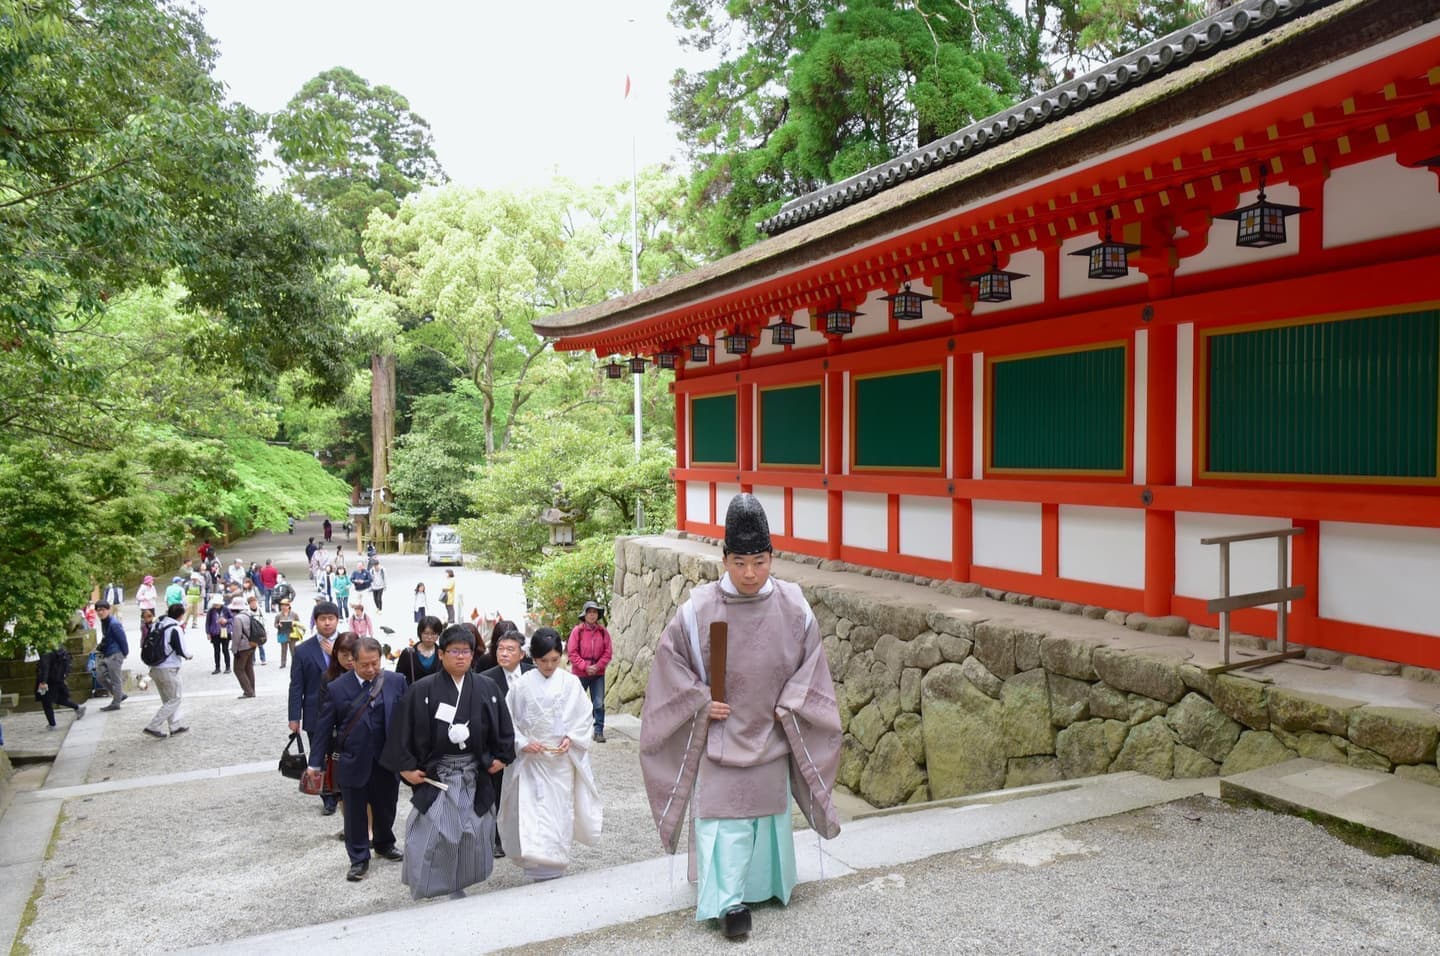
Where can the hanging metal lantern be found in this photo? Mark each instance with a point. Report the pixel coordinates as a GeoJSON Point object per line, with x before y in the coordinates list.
{"type": "Point", "coordinates": [613, 369]}
{"type": "Point", "coordinates": [839, 320]}
{"type": "Point", "coordinates": [666, 358]}
{"type": "Point", "coordinates": [637, 365]}
{"type": "Point", "coordinates": [1261, 223]}
{"type": "Point", "coordinates": [699, 352]}
{"type": "Point", "coordinates": [1108, 259]}
{"type": "Point", "coordinates": [783, 332]}
{"type": "Point", "coordinates": [994, 284]}
{"type": "Point", "coordinates": [905, 306]}
{"type": "Point", "coordinates": [738, 343]}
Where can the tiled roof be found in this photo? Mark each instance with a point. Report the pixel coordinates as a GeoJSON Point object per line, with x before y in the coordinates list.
{"type": "Point", "coordinates": [1197, 41]}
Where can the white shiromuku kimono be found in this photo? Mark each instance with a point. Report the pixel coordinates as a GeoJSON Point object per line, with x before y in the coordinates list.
{"type": "Point", "coordinates": [549, 799]}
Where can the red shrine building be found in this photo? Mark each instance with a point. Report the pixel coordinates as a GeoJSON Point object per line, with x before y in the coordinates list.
{"type": "Point", "coordinates": [1194, 293]}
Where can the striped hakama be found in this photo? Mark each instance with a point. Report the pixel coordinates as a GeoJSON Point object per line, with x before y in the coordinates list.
{"type": "Point", "coordinates": [449, 847]}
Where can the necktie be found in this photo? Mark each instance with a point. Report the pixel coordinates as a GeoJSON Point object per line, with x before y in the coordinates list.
{"type": "Point", "coordinates": [364, 687]}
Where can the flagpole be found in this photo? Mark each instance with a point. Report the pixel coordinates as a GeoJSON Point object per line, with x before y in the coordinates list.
{"type": "Point", "coordinates": [635, 287]}
{"type": "Point", "coordinates": [635, 271]}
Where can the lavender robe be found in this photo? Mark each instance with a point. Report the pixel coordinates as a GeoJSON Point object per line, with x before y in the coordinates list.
{"type": "Point", "coordinates": [784, 721]}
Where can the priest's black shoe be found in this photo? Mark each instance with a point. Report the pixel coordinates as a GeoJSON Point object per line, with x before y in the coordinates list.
{"type": "Point", "coordinates": [391, 853]}
{"type": "Point", "coordinates": [358, 871]}
{"type": "Point", "coordinates": [735, 921]}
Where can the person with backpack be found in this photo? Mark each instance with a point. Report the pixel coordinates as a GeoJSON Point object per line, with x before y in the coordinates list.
{"type": "Point", "coordinates": [360, 579]}
{"type": "Point", "coordinates": [245, 628]}
{"type": "Point", "coordinates": [163, 649]}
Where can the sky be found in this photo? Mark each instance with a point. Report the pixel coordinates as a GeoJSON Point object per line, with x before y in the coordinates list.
{"type": "Point", "coordinates": [514, 92]}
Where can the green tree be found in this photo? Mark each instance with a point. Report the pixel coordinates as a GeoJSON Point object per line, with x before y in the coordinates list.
{"type": "Point", "coordinates": [1072, 37]}
{"type": "Point", "coordinates": [353, 150]}
{"type": "Point", "coordinates": [598, 479]}
{"type": "Point", "coordinates": [120, 162]}
{"type": "Point", "coordinates": [809, 93]}
{"type": "Point", "coordinates": [350, 148]}
{"type": "Point", "coordinates": [436, 459]}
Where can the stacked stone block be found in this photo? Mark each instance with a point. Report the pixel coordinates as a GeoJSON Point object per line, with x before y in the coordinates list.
{"type": "Point", "coordinates": [939, 702]}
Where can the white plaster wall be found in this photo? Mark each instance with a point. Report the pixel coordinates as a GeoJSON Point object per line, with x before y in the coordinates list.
{"type": "Point", "coordinates": [925, 527]}
{"type": "Point", "coordinates": [1184, 403]}
{"type": "Point", "coordinates": [874, 318]}
{"type": "Point", "coordinates": [697, 502]}
{"type": "Point", "coordinates": [1006, 534]}
{"type": "Point", "coordinates": [1378, 198]}
{"type": "Point", "coordinates": [1197, 566]}
{"type": "Point", "coordinates": [1103, 545]}
{"type": "Point", "coordinates": [1139, 438]}
{"type": "Point", "coordinates": [1220, 251]}
{"type": "Point", "coordinates": [1380, 575]}
{"type": "Point", "coordinates": [1074, 270]}
{"type": "Point", "coordinates": [810, 509]}
{"type": "Point", "coordinates": [866, 521]}
{"type": "Point", "coordinates": [1027, 291]}
{"type": "Point", "coordinates": [721, 356]}
{"type": "Point", "coordinates": [773, 501]}
{"type": "Point", "coordinates": [762, 345]}
{"type": "Point", "coordinates": [805, 336]}
{"type": "Point", "coordinates": [723, 494]}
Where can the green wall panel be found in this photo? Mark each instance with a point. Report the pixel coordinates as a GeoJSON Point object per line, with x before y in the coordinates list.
{"type": "Point", "coordinates": [897, 420]}
{"type": "Point", "coordinates": [1350, 398]}
{"type": "Point", "coordinates": [1063, 412]}
{"type": "Point", "coordinates": [790, 425]}
{"type": "Point", "coordinates": [712, 429]}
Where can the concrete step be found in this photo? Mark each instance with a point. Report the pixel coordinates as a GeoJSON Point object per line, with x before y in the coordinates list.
{"type": "Point", "coordinates": [1378, 811]}
{"type": "Point", "coordinates": [621, 895]}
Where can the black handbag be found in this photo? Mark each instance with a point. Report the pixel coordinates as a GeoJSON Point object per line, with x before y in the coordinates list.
{"type": "Point", "coordinates": [293, 765]}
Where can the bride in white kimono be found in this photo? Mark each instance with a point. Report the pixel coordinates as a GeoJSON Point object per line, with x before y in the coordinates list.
{"type": "Point", "coordinates": [549, 799]}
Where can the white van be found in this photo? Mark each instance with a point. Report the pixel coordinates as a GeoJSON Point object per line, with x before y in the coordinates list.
{"type": "Point", "coordinates": [442, 546]}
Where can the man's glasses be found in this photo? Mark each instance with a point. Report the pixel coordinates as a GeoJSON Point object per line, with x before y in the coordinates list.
{"type": "Point", "coordinates": [459, 651]}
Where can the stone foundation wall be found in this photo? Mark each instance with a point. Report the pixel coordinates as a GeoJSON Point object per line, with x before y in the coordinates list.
{"type": "Point", "coordinates": [938, 701]}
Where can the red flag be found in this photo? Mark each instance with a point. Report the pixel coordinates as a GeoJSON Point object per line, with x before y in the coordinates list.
{"type": "Point", "coordinates": [627, 86]}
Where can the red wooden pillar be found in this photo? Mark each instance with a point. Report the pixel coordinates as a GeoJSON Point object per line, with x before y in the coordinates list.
{"type": "Point", "coordinates": [682, 448]}
{"type": "Point", "coordinates": [1160, 469]}
{"type": "Point", "coordinates": [1050, 540]}
{"type": "Point", "coordinates": [834, 457]}
{"type": "Point", "coordinates": [1304, 622]}
{"type": "Point", "coordinates": [962, 418]}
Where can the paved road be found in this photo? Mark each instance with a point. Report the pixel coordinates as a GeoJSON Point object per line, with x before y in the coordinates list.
{"type": "Point", "coordinates": [485, 591]}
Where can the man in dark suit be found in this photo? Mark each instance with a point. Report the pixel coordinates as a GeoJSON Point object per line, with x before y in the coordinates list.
{"type": "Point", "coordinates": [359, 706]}
{"type": "Point", "coordinates": [511, 656]}
{"type": "Point", "coordinates": [307, 677]}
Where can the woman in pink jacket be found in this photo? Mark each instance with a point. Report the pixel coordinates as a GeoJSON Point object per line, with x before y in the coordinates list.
{"type": "Point", "coordinates": [589, 650]}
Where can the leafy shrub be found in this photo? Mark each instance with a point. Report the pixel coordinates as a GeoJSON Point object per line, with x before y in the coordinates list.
{"type": "Point", "coordinates": [560, 586]}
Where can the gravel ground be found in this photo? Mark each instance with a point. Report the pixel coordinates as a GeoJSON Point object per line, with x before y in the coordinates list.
{"type": "Point", "coordinates": [221, 859]}
{"type": "Point", "coordinates": [1195, 876]}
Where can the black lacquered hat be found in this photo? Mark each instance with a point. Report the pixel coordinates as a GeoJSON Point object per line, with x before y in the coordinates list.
{"type": "Point", "coordinates": [746, 529]}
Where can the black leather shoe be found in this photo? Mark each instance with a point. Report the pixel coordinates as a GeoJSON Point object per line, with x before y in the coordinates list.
{"type": "Point", "coordinates": [358, 871]}
{"type": "Point", "coordinates": [735, 921]}
{"type": "Point", "coordinates": [391, 853]}
{"type": "Point", "coordinates": [499, 851]}
{"type": "Point", "coordinates": [329, 810]}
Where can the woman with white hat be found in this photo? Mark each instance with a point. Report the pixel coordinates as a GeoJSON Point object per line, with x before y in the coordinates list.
{"type": "Point", "coordinates": [216, 622]}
